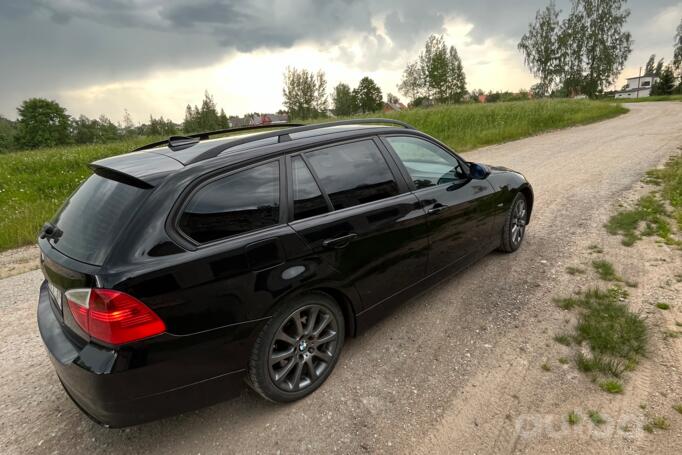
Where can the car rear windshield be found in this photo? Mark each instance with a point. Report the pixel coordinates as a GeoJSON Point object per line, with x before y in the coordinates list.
{"type": "Point", "coordinates": [93, 216]}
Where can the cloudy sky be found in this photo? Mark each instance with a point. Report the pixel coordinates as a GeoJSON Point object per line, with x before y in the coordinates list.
{"type": "Point", "coordinates": [156, 56]}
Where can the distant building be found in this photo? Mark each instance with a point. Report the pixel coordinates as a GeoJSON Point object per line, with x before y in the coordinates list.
{"type": "Point", "coordinates": [390, 107]}
{"type": "Point", "coordinates": [261, 119]}
{"type": "Point", "coordinates": [637, 87]}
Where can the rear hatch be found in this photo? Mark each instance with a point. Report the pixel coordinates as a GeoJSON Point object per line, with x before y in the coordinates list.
{"type": "Point", "coordinates": [80, 237]}
{"type": "Point", "coordinates": [91, 220]}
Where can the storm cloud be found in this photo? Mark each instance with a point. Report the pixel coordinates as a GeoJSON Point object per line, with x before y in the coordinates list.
{"type": "Point", "coordinates": [47, 47]}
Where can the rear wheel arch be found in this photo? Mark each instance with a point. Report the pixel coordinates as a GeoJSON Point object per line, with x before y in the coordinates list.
{"type": "Point", "coordinates": [338, 296]}
{"type": "Point", "coordinates": [346, 307]}
{"type": "Point", "coordinates": [528, 193]}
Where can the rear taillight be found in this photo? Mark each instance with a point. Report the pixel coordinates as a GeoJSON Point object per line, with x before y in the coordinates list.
{"type": "Point", "coordinates": [112, 316]}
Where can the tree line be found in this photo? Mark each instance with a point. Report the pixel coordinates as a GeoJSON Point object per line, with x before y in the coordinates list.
{"type": "Point", "coordinates": [45, 123]}
{"type": "Point", "coordinates": [435, 77]}
{"type": "Point", "coordinates": [305, 95]}
{"type": "Point", "coordinates": [585, 52]}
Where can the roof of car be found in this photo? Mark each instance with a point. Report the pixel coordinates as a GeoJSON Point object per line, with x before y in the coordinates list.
{"type": "Point", "coordinates": [148, 164]}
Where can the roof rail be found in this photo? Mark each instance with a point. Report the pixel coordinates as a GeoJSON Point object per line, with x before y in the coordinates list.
{"type": "Point", "coordinates": [360, 121]}
{"type": "Point", "coordinates": [284, 136]}
{"type": "Point", "coordinates": [188, 140]}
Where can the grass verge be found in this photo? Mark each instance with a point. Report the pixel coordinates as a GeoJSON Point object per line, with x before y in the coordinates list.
{"type": "Point", "coordinates": [34, 183]}
{"type": "Point", "coordinates": [468, 126]}
{"type": "Point", "coordinates": [650, 216]}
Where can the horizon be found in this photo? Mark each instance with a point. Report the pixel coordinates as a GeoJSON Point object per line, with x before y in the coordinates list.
{"type": "Point", "coordinates": [155, 58]}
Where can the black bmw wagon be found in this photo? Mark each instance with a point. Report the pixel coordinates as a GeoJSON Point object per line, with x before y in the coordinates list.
{"type": "Point", "coordinates": [179, 271]}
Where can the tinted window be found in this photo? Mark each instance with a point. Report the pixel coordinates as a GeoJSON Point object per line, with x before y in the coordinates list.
{"type": "Point", "coordinates": [308, 199]}
{"type": "Point", "coordinates": [427, 164]}
{"type": "Point", "coordinates": [93, 216]}
{"type": "Point", "coordinates": [232, 205]}
{"type": "Point", "coordinates": [353, 174]}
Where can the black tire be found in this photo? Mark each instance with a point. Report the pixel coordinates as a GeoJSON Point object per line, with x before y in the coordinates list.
{"type": "Point", "coordinates": [514, 228]}
{"type": "Point", "coordinates": [290, 358]}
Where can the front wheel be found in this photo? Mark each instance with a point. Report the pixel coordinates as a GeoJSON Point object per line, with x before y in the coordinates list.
{"type": "Point", "coordinates": [297, 349]}
{"type": "Point", "coordinates": [515, 225]}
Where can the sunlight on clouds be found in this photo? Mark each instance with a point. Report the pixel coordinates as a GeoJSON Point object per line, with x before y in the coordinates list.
{"type": "Point", "coordinates": [493, 64]}
{"type": "Point", "coordinates": [248, 82]}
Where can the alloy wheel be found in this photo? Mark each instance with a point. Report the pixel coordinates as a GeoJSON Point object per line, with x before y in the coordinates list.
{"type": "Point", "coordinates": [303, 348]}
{"type": "Point", "coordinates": [518, 222]}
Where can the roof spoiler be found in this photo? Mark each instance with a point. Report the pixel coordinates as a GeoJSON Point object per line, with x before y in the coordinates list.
{"type": "Point", "coordinates": [113, 174]}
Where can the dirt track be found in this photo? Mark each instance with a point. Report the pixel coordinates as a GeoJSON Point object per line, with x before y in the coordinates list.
{"type": "Point", "coordinates": [454, 369]}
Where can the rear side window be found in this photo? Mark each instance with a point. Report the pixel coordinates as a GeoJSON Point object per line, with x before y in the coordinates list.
{"type": "Point", "coordinates": [308, 199]}
{"type": "Point", "coordinates": [352, 174]}
{"type": "Point", "coordinates": [93, 216]}
{"type": "Point", "coordinates": [234, 204]}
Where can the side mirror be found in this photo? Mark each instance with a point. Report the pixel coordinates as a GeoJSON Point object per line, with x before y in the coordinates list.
{"type": "Point", "coordinates": [478, 171]}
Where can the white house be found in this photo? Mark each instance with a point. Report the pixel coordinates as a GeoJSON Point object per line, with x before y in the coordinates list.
{"type": "Point", "coordinates": [638, 87]}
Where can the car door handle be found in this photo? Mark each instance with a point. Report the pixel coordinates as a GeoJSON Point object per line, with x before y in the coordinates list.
{"type": "Point", "coordinates": [437, 208]}
{"type": "Point", "coordinates": [339, 242]}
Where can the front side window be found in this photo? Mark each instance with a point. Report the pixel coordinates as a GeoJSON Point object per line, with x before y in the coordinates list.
{"type": "Point", "coordinates": [353, 173]}
{"type": "Point", "coordinates": [308, 199]}
{"type": "Point", "coordinates": [427, 164]}
{"type": "Point", "coordinates": [238, 203]}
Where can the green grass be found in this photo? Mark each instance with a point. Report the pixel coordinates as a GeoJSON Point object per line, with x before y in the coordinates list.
{"type": "Point", "coordinates": [33, 184]}
{"type": "Point", "coordinates": [610, 329]}
{"type": "Point", "coordinates": [573, 418]}
{"type": "Point", "coordinates": [678, 408]}
{"type": "Point", "coordinates": [668, 334]}
{"type": "Point", "coordinates": [648, 211]}
{"type": "Point", "coordinates": [662, 306]}
{"type": "Point", "coordinates": [571, 270]}
{"type": "Point", "coordinates": [650, 216]}
{"type": "Point", "coordinates": [563, 360]}
{"type": "Point", "coordinates": [659, 423]}
{"type": "Point", "coordinates": [616, 337]}
{"type": "Point", "coordinates": [670, 177]}
{"type": "Point", "coordinates": [605, 270]}
{"type": "Point", "coordinates": [565, 303]}
{"type": "Point", "coordinates": [605, 365]}
{"type": "Point", "coordinates": [611, 386]}
{"type": "Point", "coordinates": [595, 417]}
{"type": "Point", "coordinates": [468, 126]}
{"type": "Point", "coordinates": [563, 339]}
{"type": "Point", "coordinates": [545, 367]}
{"type": "Point", "coordinates": [596, 249]}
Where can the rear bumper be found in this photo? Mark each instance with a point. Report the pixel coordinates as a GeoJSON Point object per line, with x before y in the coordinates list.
{"type": "Point", "coordinates": [150, 380]}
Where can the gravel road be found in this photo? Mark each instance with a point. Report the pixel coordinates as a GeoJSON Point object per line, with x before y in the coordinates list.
{"type": "Point", "coordinates": [406, 377]}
